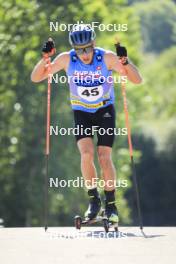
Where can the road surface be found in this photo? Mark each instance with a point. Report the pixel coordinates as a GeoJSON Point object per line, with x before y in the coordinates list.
{"type": "Point", "coordinates": [90, 245]}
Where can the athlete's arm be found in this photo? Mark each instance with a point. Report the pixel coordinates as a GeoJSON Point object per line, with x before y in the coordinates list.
{"type": "Point", "coordinates": [40, 73]}
{"type": "Point", "coordinates": [128, 70]}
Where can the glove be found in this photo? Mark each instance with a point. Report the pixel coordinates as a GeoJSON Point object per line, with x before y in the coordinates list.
{"type": "Point", "coordinates": [122, 53]}
{"type": "Point", "coordinates": [48, 48]}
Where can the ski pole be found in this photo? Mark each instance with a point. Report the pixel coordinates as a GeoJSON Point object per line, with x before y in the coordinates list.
{"type": "Point", "coordinates": [131, 155]}
{"type": "Point", "coordinates": [47, 150]}
{"type": "Point", "coordinates": [134, 175]}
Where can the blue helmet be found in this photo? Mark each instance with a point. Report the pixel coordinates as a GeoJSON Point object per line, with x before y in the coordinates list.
{"type": "Point", "coordinates": [81, 34]}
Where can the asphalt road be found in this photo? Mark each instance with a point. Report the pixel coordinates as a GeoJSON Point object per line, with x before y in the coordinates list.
{"type": "Point", "coordinates": [90, 245]}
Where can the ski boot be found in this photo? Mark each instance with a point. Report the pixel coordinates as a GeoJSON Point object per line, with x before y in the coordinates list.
{"type": "Point", "coordinates": [93, 209]}
{"type": "Point", "coordinates": [94, 205]}
{"type": "Point", "coordinates": [111, 212]}
{"type": "Point", "coordinates": [91, 216]}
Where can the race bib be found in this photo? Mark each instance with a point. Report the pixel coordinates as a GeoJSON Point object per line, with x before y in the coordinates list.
{"type": "Point", "coordinates": [90, 94]}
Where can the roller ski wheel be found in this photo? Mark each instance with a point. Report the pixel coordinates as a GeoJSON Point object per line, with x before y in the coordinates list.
{"type": "Point", "coordinates": [110, 224]}
{"type": "Point", "coordinates": [116, 229]}
{"type": "Point", "coordinates": [78, 222]}
{"type": "Point", "coordinates": [106, 225]}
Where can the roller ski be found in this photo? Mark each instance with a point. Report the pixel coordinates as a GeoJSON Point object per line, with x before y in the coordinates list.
{"type": "Point", "coordinates": [108, 217]}
{"type": "Point", "coordinates": [94, 214]}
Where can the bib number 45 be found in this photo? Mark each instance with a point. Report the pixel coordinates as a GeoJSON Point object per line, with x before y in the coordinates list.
{"type": "Point", "coordinates": [93, 92]}
{"type": "Point", "coordinates": [90, 94]}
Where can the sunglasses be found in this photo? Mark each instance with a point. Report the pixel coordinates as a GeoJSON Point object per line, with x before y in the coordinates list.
{"type": "Point", "coordinates": [86, 50]}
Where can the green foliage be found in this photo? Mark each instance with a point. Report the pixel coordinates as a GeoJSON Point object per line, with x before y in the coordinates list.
{"type": "Point", "coordinates": [158, 24]}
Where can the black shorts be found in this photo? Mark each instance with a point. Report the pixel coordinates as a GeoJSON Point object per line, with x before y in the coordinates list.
{"type": "Point", "coordinates": [102, 123]}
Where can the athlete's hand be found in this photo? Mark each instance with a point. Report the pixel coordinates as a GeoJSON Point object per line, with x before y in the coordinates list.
{"type": "Point", "coordinates": [48, 48]}
{"type": "Point", "coordinates": [122, 54]}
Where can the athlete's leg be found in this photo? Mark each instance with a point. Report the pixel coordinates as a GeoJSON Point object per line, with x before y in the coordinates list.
{"type": "Point", "coordinates": [89, 173]}
{"type": "Point", "coordinates": [106, 121]}
{"type": "Point", "coordinates": [109, 177]}
{"type": "Point", "coordinates": [105, 142]}
{"type": "Point", "coordinates": [107, 167]}
{"type": "Point", "coordinates": [86, 148]}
